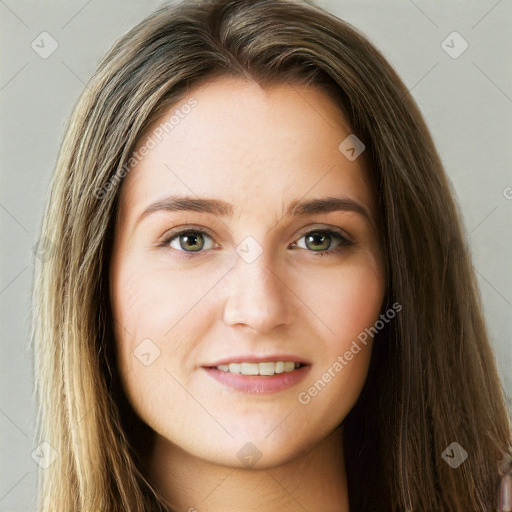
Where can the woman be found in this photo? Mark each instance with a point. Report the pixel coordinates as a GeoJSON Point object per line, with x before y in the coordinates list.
{"type": "Point", "coordinates": [260, 295]}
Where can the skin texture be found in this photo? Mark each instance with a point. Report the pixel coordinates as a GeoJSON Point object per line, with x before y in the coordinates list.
{"type": "Point", "coordinates": [258, 149]}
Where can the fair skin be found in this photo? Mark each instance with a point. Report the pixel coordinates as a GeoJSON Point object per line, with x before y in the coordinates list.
{"type": "Point", "coordinates": [258, 149]}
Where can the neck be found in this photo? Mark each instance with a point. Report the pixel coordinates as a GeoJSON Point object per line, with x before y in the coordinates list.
{"type": "Point", "coordinates": [191, 484]}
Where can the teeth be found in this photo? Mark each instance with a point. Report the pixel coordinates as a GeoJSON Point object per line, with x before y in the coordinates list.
{"type": "Point", "coordinates": [249, 369]}
{"type": "Point", "coordinates": [289, 366]}
{"type": "Point", "coordinates": [234, 368]}
{"type": "Point", "coordinates": [265, 368]}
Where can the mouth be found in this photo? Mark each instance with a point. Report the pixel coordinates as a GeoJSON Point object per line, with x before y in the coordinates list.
{"type": "Point", "coordinates": [266, 368]}
{"type": "Point", "coordinates": [259, 377]}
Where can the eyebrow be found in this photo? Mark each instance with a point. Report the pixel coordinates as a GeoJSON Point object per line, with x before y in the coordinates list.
{"type": "Point", "coordinates": [221, 208]}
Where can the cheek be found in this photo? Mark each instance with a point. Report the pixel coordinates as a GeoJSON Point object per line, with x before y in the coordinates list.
{"type": "Point", "coordinates": [347, 300]}
{"type": "Point", "coordinates": [139, 308]}
{"type": "Point", "coordinates": [156, 303]}
{"type": "Point", "coordinates": [144, 309]}
{"type": "Point", "coordinates": [149, 299]}
{"type": "Point", "coordinates": [352, 305]}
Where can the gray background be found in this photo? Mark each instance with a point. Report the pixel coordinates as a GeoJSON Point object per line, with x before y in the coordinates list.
{"type": "Point", "coordinates": [467, 102]}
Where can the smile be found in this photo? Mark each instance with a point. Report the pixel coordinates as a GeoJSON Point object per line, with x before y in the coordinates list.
{"type": "Point", "coordinates": [259, 377]}
{"type": "Point", "coordinates": [264, 368]}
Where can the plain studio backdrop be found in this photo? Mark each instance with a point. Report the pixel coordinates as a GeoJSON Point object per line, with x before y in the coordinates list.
{"type": "Point", "coordinates": [454, 56]}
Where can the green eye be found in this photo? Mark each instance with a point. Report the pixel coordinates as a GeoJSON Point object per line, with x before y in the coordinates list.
{"type": "Point", "coordinates": [320, 242]}
{"type": "Point", "coordinates": [190, 241]}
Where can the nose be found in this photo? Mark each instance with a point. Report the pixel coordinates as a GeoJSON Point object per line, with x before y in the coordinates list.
{"type": "Point", "coordinates": [257, 297]}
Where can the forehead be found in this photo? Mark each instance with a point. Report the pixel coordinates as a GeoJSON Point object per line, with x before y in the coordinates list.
{"type": "Point", "coordinates": [252, 146]}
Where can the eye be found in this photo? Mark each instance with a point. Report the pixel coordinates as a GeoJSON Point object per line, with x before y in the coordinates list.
{"type": "Point", "coordinates": [189, 240]}
{"type": "Point", "coordinates": [320, 242]}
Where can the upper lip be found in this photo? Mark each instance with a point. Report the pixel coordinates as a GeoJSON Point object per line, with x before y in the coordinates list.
{"type": "Point", "coordinates": [251, 358]}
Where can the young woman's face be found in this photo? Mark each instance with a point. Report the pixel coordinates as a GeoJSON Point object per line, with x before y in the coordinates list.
{"type": "Point", "coordinates": [260, 274]}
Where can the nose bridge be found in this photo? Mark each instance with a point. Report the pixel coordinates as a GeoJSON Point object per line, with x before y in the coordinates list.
{"type": "Point", "coordinates": [256, 295]}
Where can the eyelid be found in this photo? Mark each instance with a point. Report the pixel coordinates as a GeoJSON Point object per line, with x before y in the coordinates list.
{"type": "Point", "coordinates": [326, 227]}
{"type": "Point", "coordinates": [195, 227]}
{"type": "Point", "coordinates": [176, 230]}
{"type": "Point", "coordinates": [344, 238]}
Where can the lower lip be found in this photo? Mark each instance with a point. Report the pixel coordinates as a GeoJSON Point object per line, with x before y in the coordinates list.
{"type": "Point", "coordinates": [258, 384]}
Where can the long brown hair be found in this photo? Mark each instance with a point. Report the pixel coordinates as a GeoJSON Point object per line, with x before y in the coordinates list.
{"type": "Point", "coordinates": [432, 379]}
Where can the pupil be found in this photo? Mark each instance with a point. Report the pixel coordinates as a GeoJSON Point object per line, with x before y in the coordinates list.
{"type": "Point", "coordinates": [312, 237]}
{"type": "Point", "coordinates": [193, 239]}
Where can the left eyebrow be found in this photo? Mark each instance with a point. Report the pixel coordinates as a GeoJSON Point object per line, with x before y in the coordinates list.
{"type": "Point", "coordinates": [326, 205]}
{"type": "Point", "coordinates": [223, 209]}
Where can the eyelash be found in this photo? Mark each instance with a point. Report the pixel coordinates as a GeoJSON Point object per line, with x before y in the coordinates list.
{"type": "Point", "coordinates": [343, 241]}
